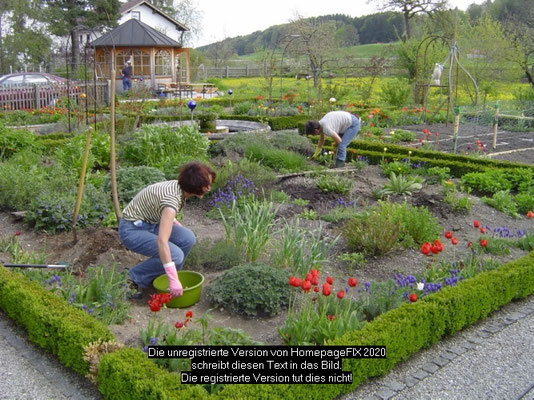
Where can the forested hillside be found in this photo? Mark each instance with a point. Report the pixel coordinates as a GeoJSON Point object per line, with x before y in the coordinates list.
{"type": "Point", "coordinates": [384, 27]}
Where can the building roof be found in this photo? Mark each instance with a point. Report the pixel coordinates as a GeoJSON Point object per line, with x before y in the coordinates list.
{"type": "Point", "coordinates": [129, 5]}
{"type": "Point", "coordinates": [135, 33]}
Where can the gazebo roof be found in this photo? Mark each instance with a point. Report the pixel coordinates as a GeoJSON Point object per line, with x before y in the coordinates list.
{"type": "Point", "coordinates": [135, 33]}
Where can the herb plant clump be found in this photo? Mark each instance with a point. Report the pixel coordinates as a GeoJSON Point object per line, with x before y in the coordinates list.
{"type": "Point", "coordinates": [251, 289]}
{"type": "Point", "coordinates": [130, 180]}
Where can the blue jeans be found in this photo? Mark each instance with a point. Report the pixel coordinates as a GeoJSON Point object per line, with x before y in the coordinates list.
{"type": "Point", "coordinates": [347, 137]}
{"type": "Point", "coordinates": [142, 237]}
{"type": "Point", "coordinates": [126, 84]}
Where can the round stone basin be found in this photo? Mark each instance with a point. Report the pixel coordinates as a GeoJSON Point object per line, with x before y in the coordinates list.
{"type": "Point", "coordinates": [226, 127]}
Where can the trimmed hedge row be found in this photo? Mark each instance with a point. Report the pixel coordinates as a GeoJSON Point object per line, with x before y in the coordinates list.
{"type": "Point", "coordinates": [459, 165]}
{"type": "Point", "coordinates": [128, 374]}
{"type": "Point", "coordinates": [402, 151]}
{"type": "Point", "coordinates": [50, 321]}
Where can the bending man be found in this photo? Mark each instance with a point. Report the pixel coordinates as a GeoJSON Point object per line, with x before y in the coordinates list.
{"type": "Point", "coordinates": [341, 126]}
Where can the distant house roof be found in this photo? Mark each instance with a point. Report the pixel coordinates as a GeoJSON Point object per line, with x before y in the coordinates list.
{"type": "Point", "coordinates": [135, 33]}
{"type": "Point", "coordinates": [128, 6]}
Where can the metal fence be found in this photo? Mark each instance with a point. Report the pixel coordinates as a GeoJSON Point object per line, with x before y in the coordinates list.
{"type": "Point", "coordinates": [40, 96]}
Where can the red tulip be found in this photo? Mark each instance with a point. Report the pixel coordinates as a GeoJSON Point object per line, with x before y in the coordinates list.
{"type": "Point", "coordinates": [292, 280]}
{"type": "Point", "coordinates": [482, 230]}
{"type": "Point", "coordinates": [309, 276]}
{"type": "Point", "coordinates": [448, 235]}
{"type": "Point", "coordinates": [316, 289]}
{"type": "Point", "coordinates": [413, 297]}
{"type": "Point", "coordinates": [454, 241]}
{"type": "Point", "coordinates": [326, 289]}
{"type": "Point", "coordinates": [164, 298]}
{"type": "Point", "coordinates": [435, 249]}
{"type": "Point", "coordinates": [155, 306]}
{"type": "Point", "coordinates": [530, 214]}
{"type": "Point", "coordinates": [189, 314]}
{"type": "Point", "coordinates": [314, 272]}
{"type": "Point", "coordinates": [425, 248]}
{"type": "Point", "coordinates": [340, 294]}
{"type": "Point", "coordinates": [483, 242]}
{"type": "Point", "coordinates": [306, 285]}
{"type": "Point", "coordinates": [352, 282]}
{"type": "Point", "coordinates": [476, 224]}
{"type": "Point", "coordinates": [331, 317]}
{"type": "Point", "coordinates": [330, 280]}
{"type": "Point", "coordinates": [178, 325]}
{"type": "Point", "coordinates": [314, 280]}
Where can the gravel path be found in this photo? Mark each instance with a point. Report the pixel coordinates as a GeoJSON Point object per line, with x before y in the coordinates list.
{"type": "Point", "coordinates": [29, 373]}
{"type": "Point", "coordinates": [493, 359]}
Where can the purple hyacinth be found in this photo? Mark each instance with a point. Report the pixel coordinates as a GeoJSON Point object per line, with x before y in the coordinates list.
{"type": "Point", "coordinates": [235, 188]}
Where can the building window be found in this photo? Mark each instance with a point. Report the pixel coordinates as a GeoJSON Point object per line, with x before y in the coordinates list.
{"type": "Point", "coordinates": [103, 63]}
{"type": "Point", "coordinates": [140, 62]}
{"type": "Point", "coordinates": [181, 67]}
{"type": "Point", "coordinates": [163, 63]}
{"type": "Point", "coordinates": [136, 15]}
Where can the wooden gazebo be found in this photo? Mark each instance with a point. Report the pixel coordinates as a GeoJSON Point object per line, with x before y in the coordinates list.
{"type": "Point", "coordinates": [156, 58]}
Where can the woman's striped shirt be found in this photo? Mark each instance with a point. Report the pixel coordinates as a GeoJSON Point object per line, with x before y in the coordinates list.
{"type": "Point", "coordinates": [149, 203]}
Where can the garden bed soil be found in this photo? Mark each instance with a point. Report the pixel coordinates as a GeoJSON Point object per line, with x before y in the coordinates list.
{"type": "Point", "coordinates": [102, 246]}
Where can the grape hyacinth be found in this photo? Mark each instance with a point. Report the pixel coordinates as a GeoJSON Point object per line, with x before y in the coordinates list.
{"type": "Point", "coordinates": [233, 190]}
{"type": "Point", "coordinates": [341, 202]}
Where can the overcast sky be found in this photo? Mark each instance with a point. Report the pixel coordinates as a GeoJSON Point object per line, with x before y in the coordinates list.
{"type": "Point", "coordinates": [229, 18]}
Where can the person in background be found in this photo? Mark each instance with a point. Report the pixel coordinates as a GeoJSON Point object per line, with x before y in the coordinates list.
{"type": "Point", "coordinates": [127, 76]}
{"type": "Point", "coordinates": [341, 126]}
{"type": "Point", "coordinates": [149, 227]}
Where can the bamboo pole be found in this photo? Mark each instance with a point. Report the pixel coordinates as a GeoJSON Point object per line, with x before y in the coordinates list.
{"type": "Point", "coordinates": [112, 164]}
{"type": "Point", "coordinates": [81, 183]}
{"type": "Point", "coordinates": [516, 117]}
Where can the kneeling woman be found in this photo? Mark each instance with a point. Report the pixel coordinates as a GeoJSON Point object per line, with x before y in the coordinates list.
{"type": "Point", "coordinates": [149, 227]}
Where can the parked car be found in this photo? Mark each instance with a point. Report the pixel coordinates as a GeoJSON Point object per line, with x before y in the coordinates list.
{"type": "Point", "coordinates": [31, 90]}
{"type": "Point", "coordinates": [30, 78]}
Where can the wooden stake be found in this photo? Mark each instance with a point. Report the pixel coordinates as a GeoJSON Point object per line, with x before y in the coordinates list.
{"type": "Point", "coordinates": [456, 126]}
{"type": "Point", "coordinates": [495, 126]}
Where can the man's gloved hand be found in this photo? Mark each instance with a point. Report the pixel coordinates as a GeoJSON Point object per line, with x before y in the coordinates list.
{"type": "Point", "coordinates": [174, 283]}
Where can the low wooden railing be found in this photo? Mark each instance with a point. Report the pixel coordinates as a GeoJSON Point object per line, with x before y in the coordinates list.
{"type": "Point", "coordinates": [50, 95]}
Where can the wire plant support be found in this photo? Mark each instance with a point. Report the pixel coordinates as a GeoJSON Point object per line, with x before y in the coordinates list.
{"type": "Point", "coordinates": [450, 67]}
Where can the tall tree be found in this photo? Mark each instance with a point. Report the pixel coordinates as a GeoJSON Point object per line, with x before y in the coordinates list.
{"type": "Point", "coordinates": [517, 18]}
{"type": "Point", "coordinates": [219, 53]}
{"type": "Point", "coordinates": [315, 40]}
{"type": "Point", "coordinates": [65, 16]}
{"type": "Point", "coordinates": [409, 9]}
{"type": "Point", "coordinates": [485, 43]}
{"type": "Point", "coordinates": [23, 40]}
